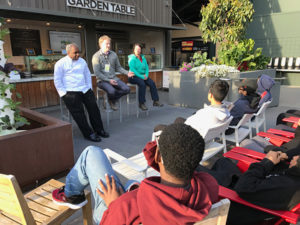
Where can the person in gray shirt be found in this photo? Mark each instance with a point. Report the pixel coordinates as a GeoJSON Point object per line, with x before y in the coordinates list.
{"type": "Point", "coordinates": [105, 65]}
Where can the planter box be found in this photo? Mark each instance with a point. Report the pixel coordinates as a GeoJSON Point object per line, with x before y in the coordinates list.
{"type": "Point", "coordinates": [188, 90]}
{"type": "Point", "coordinates": [43, 151]}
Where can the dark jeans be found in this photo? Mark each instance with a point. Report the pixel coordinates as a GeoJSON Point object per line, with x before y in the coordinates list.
{"type": "Point", "coordinates": [114, 92]}
{"type": "Point", "coordinates": [74, 101]}
{"type": "Point", "coordinates": [142, 88]}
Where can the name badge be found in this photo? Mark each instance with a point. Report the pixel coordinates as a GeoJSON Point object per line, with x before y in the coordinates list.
{"type": "Point", "coordinates": [106, 68]}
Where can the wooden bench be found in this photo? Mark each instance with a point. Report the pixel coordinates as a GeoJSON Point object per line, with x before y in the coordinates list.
{"type": "Point", "coordinates": [36, 207]}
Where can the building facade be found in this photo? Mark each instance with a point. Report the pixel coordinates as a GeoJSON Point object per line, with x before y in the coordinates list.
{"type": "Point", "coordinates": [40, 30]}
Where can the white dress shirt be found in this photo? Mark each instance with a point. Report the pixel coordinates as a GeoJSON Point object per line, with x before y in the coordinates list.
{"type": "Point", "coordinates": [71, 75]}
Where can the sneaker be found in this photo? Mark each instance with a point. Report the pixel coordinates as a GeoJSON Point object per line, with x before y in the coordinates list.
{"type": "Point", "coordinates": [73, 202]}
{"type": "Point", "coordinates": [113, 105]}
{"type": "Point", "coordinates": [157, 103]}
{"type": "Point", "coordinates": [143, 107]}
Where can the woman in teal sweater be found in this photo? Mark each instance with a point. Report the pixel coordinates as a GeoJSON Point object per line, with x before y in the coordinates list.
{"type": "Point", "coordinates": [138, 65]}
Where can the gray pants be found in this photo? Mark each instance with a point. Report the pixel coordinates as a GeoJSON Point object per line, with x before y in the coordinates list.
{"type": "Point", "coordinates": [257, 144]}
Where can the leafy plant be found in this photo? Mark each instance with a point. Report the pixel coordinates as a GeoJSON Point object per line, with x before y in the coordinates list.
{"type": "Point", "coordinates": [243, 56]}
{"type": "Point", "coordinates": [199, 59]}
{"type": "Point", "coordinates": [225, 21]}
{"type": "Point", "coordinates": [213, 70]}
{"type": "Point", "coordinates": [10, 117]}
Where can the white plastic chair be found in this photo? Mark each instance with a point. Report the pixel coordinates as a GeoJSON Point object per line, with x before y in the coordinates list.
{"type": "Point", "coordinates": [240, 133]}
{"type": "Point", "coordinates": [67, 116]}
{"type": "Point", "coordinates": [217, 214]}
{"type": "Point", "coordinates": [260, 117]}
{"type": "Point", "coordinates": [133, 168]}
{"type": "Point", "coordinates": [211, 146]}
{"type": "Point", "coordinates": [107, 107]}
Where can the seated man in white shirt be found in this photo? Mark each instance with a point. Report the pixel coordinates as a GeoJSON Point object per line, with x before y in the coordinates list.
{"type": "Point", "coordinates": [213, 114]}
{"type": "Point", "coordinates": [209, 116]}
{"type": "Point", "coordinates": [73, 83]}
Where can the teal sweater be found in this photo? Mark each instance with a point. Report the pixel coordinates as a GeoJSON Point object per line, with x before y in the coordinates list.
{"type": "Point", "coordinates": [137, 67]}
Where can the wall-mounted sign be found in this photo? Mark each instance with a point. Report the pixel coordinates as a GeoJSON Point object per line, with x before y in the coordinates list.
{"type": "Point", "coordinates": [23, 39]}
{"type": "Point", "coordinates": [59, 40]}
{"type": "Point", "coordinates": [104, 6]}
{"type": "Point", "coordinates": [187, 49]}
{"type": "Point", "coordinates": [187, 43]}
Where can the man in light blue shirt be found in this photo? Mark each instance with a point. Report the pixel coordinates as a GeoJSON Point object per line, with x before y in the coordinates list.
{"type": "Point", "coordinates": [72, 79]}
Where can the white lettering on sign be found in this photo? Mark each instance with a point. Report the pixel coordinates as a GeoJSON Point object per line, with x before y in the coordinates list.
{"type": "Point", "coordinates": [103, 6]}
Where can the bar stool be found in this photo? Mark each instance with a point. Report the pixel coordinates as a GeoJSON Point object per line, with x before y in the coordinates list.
{"type": "Point", "coordinates": [138, 110]}
{"type": "Point", "coordinates": [107, 107]}
{"type": "Point", "coordinates": [64, 117]}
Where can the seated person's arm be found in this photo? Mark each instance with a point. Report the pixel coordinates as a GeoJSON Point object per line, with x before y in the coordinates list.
{"type": "Point", "coordinates": [132, 67]}
{"type": "Point", "coordinates": [260, 187]}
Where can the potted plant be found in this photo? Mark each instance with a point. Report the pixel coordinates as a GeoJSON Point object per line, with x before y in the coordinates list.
{"type": "Point", "coordinates": [189, 88]}
{"type": "Point", "coordinates": [44, 149]}
{"type": "Point", "coordinates": [10, 118]}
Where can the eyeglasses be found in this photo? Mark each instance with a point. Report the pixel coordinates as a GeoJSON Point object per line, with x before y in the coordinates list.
{"type": "Point", "coordinates": [156, 139]}
{"type": "Point", "coordinates": [76, 52]}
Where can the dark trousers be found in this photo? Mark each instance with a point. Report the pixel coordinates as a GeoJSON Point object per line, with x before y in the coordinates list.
{"type": "Point", "coordinates": [114, 92]}
{"type": "Point", "coordinates": [74, 101]}
{"type": "Point", "coordinates": [289, 113]}
{"type": "Point", "coordinates": [142, 88]}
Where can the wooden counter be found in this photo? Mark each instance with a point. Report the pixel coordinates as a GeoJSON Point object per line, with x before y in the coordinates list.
{"type": "Point", "coordinates": [38, 92]}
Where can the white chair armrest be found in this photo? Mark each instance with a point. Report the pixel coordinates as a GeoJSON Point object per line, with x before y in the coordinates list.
{"type": "Point", "coordinates": [135, 166]}
{"type": "Point", "coordinates": [121, 159]}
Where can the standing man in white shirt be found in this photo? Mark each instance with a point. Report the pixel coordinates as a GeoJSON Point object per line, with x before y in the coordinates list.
{"type": "Point", "coordinates": [72, 79]}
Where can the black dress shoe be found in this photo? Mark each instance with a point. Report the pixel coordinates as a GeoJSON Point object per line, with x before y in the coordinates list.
{"type": "Point", "coordinates": [104, 134]}
{"type": "Point", "coordinates": [94, 137]}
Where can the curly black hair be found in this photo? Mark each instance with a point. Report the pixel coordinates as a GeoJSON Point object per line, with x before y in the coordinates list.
{"type": "Point", "coordinates": [219, 89]}
{"type": "Point", "coordinates": [181, 148]}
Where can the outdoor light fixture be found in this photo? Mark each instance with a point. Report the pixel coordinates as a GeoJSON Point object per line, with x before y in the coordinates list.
{"type": "Point", "coordinates": [79, 26]}
{"type": "Point", "coordinates": [8, 20]}
{"type": "Point", "coordinates": [48, 24]}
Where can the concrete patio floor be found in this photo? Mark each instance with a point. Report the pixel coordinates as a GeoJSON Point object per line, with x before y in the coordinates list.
{"type": "Point", "coordinates": [129, 137]}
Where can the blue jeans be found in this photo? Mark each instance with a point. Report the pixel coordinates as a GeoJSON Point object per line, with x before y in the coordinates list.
{"type": "Point", "coordinates": [114, 92]}
{"type": "Point", "coordinates": [142, 88]}
{"type": "Point", "coordinates": [91, 166]}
